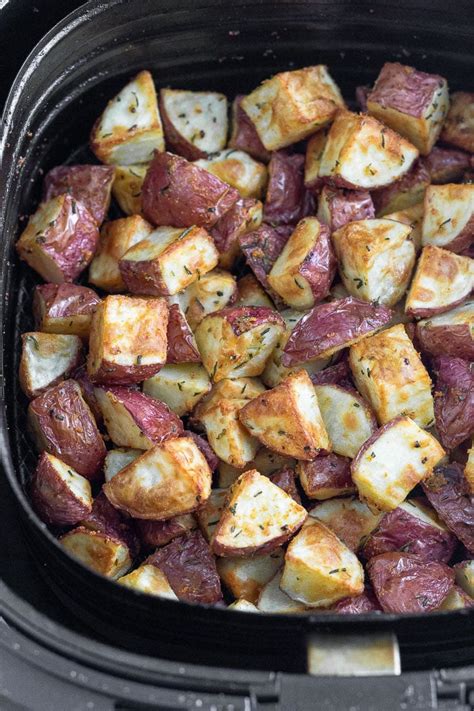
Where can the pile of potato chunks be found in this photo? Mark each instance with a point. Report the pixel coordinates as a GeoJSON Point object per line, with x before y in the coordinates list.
{"type": "Point", "coordinates": [266, 391]}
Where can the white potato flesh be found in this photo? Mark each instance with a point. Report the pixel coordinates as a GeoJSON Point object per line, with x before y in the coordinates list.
{"type": "Point", "coordinates": [127, 187]}
{"type": "Point", "coordinates": [245, 577]}
{"type": "Point", "coordinates": [448, 212]}
{"type": "Point", "coordinates": [227, 436]}
{"type": "Point", "coordinates": [314, 153]}
{"type": "Point", "coordinates": [349, 518]}
{"type": "Point", "coordinates": [118, 459]}
{"type": "Point", "coordinates": [465, 576]}
{"type": "Point", "coordinates": [274, 601]}
{"type": "Point", "coordinates": [181, 386]}
{"type": "Point", "coordinates": [208, 516]}
{"type": "Point", "coordinates": [150, 580]}
{"type": "Point", "coordinates": [348, 419]}
{"type": "Point", "coordinates": [121, 426]}
{"type": "Point", "coordinates": [45, 359]}
{"type": "Point", "coordinates": [265, 461]}
{"type": "Point", "coordinates": [78, 485]}
{"type": "Point", "coordinates": [424, 513]}
{"type": "Point", "coordinates": [200, 117]}
{"type": "Point", "coordinates": [412, 216]}
{"type": "Point", "coordinates": [97, 550]}
{"type": "Point", "coordinates": [243, 606]}
{"type": "Point", "coordinates": [239, 170]}
{"type": "Point", "coordinates": [212, 292]}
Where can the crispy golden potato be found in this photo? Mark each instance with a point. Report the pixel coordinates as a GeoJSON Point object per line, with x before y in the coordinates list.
{"type": "Point", "coordinates": [46, 359]}
{"type": "Point", "coordinates": [458, 129]}
{"type": "Point", "coordinates": [127, 187]}
{"type": "Point", "coordinates": [150, 580]}
{"type": "Point", "coordinates": [240, 170]}
{"type": "Point", "coordinates": [245, 577]}
{"type": "Point", "coordinates": [350, 519]}
{"type": "Point", "coordinates": [448, 219]}
{"type": "Point", "coordinates": [100, 551]}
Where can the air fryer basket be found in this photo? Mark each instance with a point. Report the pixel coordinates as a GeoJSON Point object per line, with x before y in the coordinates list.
{"type": "Point", "coordinates": [230, 47]}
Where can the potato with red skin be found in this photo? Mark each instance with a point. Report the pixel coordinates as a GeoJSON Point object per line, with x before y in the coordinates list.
{"type": "Point", "coordinates": [190, 568]}
{"type": "Point", "coordinates": [206, 449]}
{"type": "Point", "coordinates": [404, 582]}
{"type": "Point", "coordinates": [62, 424]}
{"type": "Point", "coordinates": [337, 207]}
{"type": "Point", "coordinates": [448, 492]}
{"type": "Point", "coordinates": [454, 400]}
{"type": "Point", "coordinates": [246, 577]}
{"type": "Point", "coordinates": [243, 217]}
{"type": "Point", "coordinates": [359, 605]}
{"type": "Point", "coordinates": [128, 340]}
{"type": "Point", "coordinates": [348, 517]}
{"type": "Point", "coordinates": [127, 187]}
{"type": "Point", "coordinates": [181, 344]}
{"type": "Point", "coordinates": [154, 534]}
{"type": "Point", "coordinates": [456, 600]}
{"type": "Point", "coordinates": [303, 272]}
{"type": "Point", "coordinates": [326, 476]}
{"type": "Point", "coordinates": [446, 165]}
{"type": "Point", "coordinates": [329, 328]}
{"type": "Point", "coordinates": [88, 392]}
{"type": "Point", "coordinates": [135, 420]}
{"type": "Point", "coordinates": [411, 102]}
{"type": "Point", "coordinates": [464, 573]}
{"type": "Point", "coordinates": [59, 495]}
{"type": "Point", "coordinates": [105, 518]}
{"type": "Point", "coordinates": [314, 152]}
{"type": "Point", "coordinates": [212, 292]}
{"type": "Point", "coordinates": [97, 550]}
{"type": "Point", "coordinates": [413, 528]}
{"type": "Point", "coordinates": [244, 135]}
{"type": "Point", "coordinates": [338, 374]}
{"type": "Point", "coordinates": [448, 218]}
{"type": "Point", "coordinates": [239, 170]}
{"type": "Point", "coordinates": [458, 129]}
{"type": "Point", "coordinates": [405, 192]}
{"type": "Point", "coordinates": [450, 334]}
{"type": "Point", "coordinates": [261, 248]}
{"type": "Point", "coordinates": [90, 184]}
{"type": "Point", "coordinates": [286, 480]}
{"type": "Point", "coordinates": [46, 359]}
{"type": "Point", "coordinates": [59, 240]}
{"type": "Point", "coordinates": [64, 308]}
{"type": "Point", "coordinates": [287, 200]}
{"type": "Point", "coordinates": [176, 192]}
{"type": "Point", "coordinates": [251, 293]}
{"type": "Point", "coordinates": [413, 217]}
{"type": "Point", "coordinates": [361, 94]}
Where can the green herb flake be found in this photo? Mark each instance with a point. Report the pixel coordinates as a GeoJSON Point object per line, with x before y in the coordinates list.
{"type": "Point", "coordinates": [233, 509]}
{"type": "Point", "coordinates": [298, 284]}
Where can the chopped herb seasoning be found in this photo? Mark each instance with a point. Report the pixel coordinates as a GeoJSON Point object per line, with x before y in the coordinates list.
{"type": "Point", "coordinates": [139, 359]}
{"type": "Point", "coordinates": [34, 341]}
{"type": "Point", "coordinates": [444, 223]}
{"type": "Point", "coordinates": [233, 509]}
{"type": "Point", "coordinates": [424, 460]}
{"type": "Point", "coordinates": [298, 284]}
{"type": "Point", "coordinates": [257, 494]}
{"type": "Point", "coordinates": [359, 282]}
{"type": "Point", "coordinates": [188, 271]}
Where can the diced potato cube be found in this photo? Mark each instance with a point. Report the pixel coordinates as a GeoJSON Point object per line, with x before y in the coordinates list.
{"type": "Point", "coordinates": [129, 130]}
{"type": "Point", "coordinates": [446, 165]}
{"type": "Point", "coordinates": [155, 534]}
{"type": "Point", "coordinates": [314, 154]}
{"type": "Point", "coordinates": [244, 135]}
{"type": "Point", "coordinates": [170, 479]}
{"type": "Point", "coordinates": [238, 341]}
{"type": "Point", "coordinates": [259, 517]}
{"type": "Point", "coordinates": [451, 333]}
{"type": "Point", "coordinates": [98, 550]}
{"type": "Point", "coordinates": [292, 105]}
{"type": "Point", "coordinates": [458, 129]}
{"type": "Point", "coordinates": [208, 516]}
{"type": "Point", "coordinates": [261, 248]}
{"type": "Point", "coordinates": [227, 436]}
{"type": "Point", "coordinates": [442, 280]}
{"type": "Point", "coordinates": [326, 476]}
{"type": "Point", "coordinates": [243, 606]}
{"type": "Point", "coordinates": [243, 217]}
{"type": "Point", "coordinates": [181, 344]}
{"type": "Point", "coordinates": [376, 259]}
{"type": "Point", "coordinates": [64, 308]}
{"type": "Point", "coordinates": [350, 519]}
{"type": "Point", "coordinates": [59, 240]}
{"type": "Point", "coordinates": [240, 170]}
{"type": "Point", "coordinates": [127, 187]}
{"type": "Point", "coordinates": [250, 293]}
{"type": "Point", "coordinates": [128, 339]}
{"type": "Point", "coordinates": [195, 122]}
{"type": "Point", "coordinates": [303, 273]}
{"type": "Point", "coordinates": [245, 577]}
{"type": "Point", "coordinates": [90, 184]}
{"type": "Point", "coordinates": [118, 459]}
{"type": "Point", "coordinates": [287, 418]}
{"type": "Point", "coordinates": [393, 461]}
{"type": "Point", "coordinates": [348, 419]}
{"type": "Point", "coordinates": [337, 207]}
{"type": "Point", "coordinates": [403, 193]}
{"type": "Point", "coordinates": [150, 580]}
{"type": "Point", "coordinates": [411, 102]}
{"type": "Point", "coordinates": [362, 153]}
{"type": "Point", "coordinates": [389, 373]}
{"type": "Point", "coordinates": [230, 389]}
{"type": "Point", "coordinates": [273, 600]}
{"type": "Point", "coordinates": [265, 461]}
{"type": "Point", "coordinates": [180, 386]}
{"type": "Point", "coordinates": [319, 569]}
{"type": "Point", "coordinates": [46, 359]}
{"type": "Point", "coordinates": [213, 292]}
{"type": "Point", "coordinates": [412, 216]}
{"type": "Point", "coordinates": [60, 496]}
{"type": "Point", "coordinates": [116, 238]}
{"type": "Point", "coordinates": [448, 219]}
{"type": "Point", "coordinates": [287, 200]}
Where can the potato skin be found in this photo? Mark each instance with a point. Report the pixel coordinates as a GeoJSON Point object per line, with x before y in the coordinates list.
{"type": "Point", "coordinates": [243, 217]}
{"type": "Point", "coordinates": [54, 501]}
{"type": "Point", "coordinates": [405, 192]}
{"type": "Point", "coordinates": [206, 450]}
{"type": "Point", "coordinates": [176, 192]}
{"type": "Point", "coordinates": [454, 400]}
{"type": "Point", "coordinates": [90, 184]}
{"type": "Point", "coordinates": [154, 534]}
{"type": "Point", "coordinates": [286, 480]}
{"type": "Point", "coordinates": [446, 165]}
{"type": "Point", "coordinates": [338, 374]}
{"type": "Point", "coordinates": [287, 201]}
{"type": "Point", "coordinates": [337, 207]}
{"type": "Point", "coordinates": [448, 334]}
{"type": "Point", "coordinates": [448, 492]}
{"type": "Point", "coordinates": [88, 392]}
{"type": "Point", "coordinates": [404, 582]}
{"type": "Point", "coordinates": [244, 135]}
{"type": "Point", "coordinates": [64, 308]}
{"type": "Point", "coordinates": [359, 605]}
{"type": "Point", "coordinates": [181, 345]}
{"type": "Point", "coordinates": [458, 127]}
{"type": "Point", "coordinates": [190, 568]}
{"type": "Point", "coordinates": [63, 425]}
{"type": "Point", "coordinates": [105, 518]}
{"type": "Point", "coordinates": [330, 327]}
{"type": "Point", "coordinates": [326, 476]}
{"type": "Point", "coordinates": [261, 249]}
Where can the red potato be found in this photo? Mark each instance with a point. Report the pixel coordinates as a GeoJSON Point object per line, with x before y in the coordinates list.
{"type": "Point", "coordinates": [171, 479]}
{"type": "Point", "coordinates": [286, 480]}
{"type": "Point", "coordinates": [361, 94]}
{"type": "Point", "coordinates": [46, 359]}
{"type": "Point", "coordinates": [59, 240]}
{"type": "Point", "coordinates": [212, 292]}
{"type": "Point", "coordinates": [127, 187]}
{"type": "Point", "coordinates": [314, 153]}
{"type": "Point", "coordinates": [273, 600]}
{"type": "Point", "coordinates": [411, 102]}
{"type": "Point", "coordinates": [326, 476]}
{"type": "Point", "coordinates": [450, 334]}
{"type": "Point", "coordinates": [194, 122]}
{"type": "Point", "coordinates": [329, 328]}
{"type": "Point", "coordinates": [464, 573]}
{"type": "Point", "coordinates": [150, 580]}
{"type": "Point", "coordinates": [413, 528]}
{"type": "Point", "coordinates": [359, 605]}
{"type": "Point", "coordinates": [99, 551]}
{"type": "Point", "coordinates": [338, 207]}
{"type": "Point", "coordinates": [258, 517]}
{"type": "Point", "coordinates": [246, 577]}
{"type": "Point", "coordinates": [406, 583]}
{"type": "Point", "coordinates": [456, 600]}
{"type": "Point", "coordinates": [350, 519]}
{"type": "Point", "coordinates": [118, 459]}
{"type": "Point", "coordinates": [287, 200]}
{"type": "Point", "coordinates": [134, 420]}
{"type": "Point", "coordinates": [454, 400]}
{"type": "Point", "coordinates": [446, 165]}
{"type": "Point", "coordinates": [261, 248]}
{"type": "Point", "coordinates": [244, 135]}
{"type": "Point", "coordinates": [442, 281]}
{"type": "Point", "coordinates": [303, 272]}
{"type": "Point", "coordinates": [182, 347]}
{"type": "Point", "coordinates": [105, 518]}
{"type": "Point", "coordinates": [265, 461]}
{"type": "Point", "coordinates": [237, 341]}
{"type": "Point", "coordinates": [413, 217]}
{"type": "Point", "coordinates": [239, 170]}
{"type": "Point", "coordinates": [206, 450]}
{"type": "Point", "coordinates": [243, 217]}
{"type": "Point", "coordinates": [62, 424]}
{"type": "Point", "coordinates": [90, 184]}
{"type": "Point", "coordinates": [250, 293]}
{"type": "Point", "coordinates": [154, 534]}
{"type": "Point", "coordinates": [64, 308]}
{"type": "Point", "coordinates": [116, 238]}
{"type": "Point", "coordinates": [403, 193]}
{"type": "Point", "coordinates": [88, 392]}
{"type": "Point", "coordinates": [448, 219]}
{"type": "Point", "coordinates": [128, 340]}
{"type": "Point", "coordinates": [60, 496]}
{"type": "Point", "coordinates": [458, 129]}
{"type": "Point", "coordinates": [208, 516]}
{"type": "Point", "coordinates": [190, 568]}
{"type": "Point", "coordinates": [181, 386]}
{"type": "Point", "coordinates": [448, 492]}
{"type": "Point", "coordinates": [338, 374]}
{"type": "Point", "coordinates": [176, 192]}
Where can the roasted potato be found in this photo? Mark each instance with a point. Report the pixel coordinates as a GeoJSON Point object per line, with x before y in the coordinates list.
{"type": "Point", "coordinates": [337, 207]}
{"type": "Point", "coordinates": [59, 240]}
{"type": "Point", "coordinates": [62, 424]}
{"type": "Point", "coordinates": [287, 200]}
{"type": "Point", "coordinates": [403, 193]}
{"type": "Point", "coordinates": [180, 386]}
{"type": "Point", "coordinates": [99, 551]}
{"type": "Point", "coordinates": [458, 129]}
{"type": "Point", "coordinates": [358, 605]}
{"type": "Point", "coordinates": [239, 170]}
{"type": "Point", "coordinates": [118, 459]}
{"type": "Point", "coordinates": [361, 94]}
{"type": "Point", "coordinates": [413, 217]}
{"type": "Point", "coordinates": [250, 293]}
{"type": "Point", "coordinates": [286, 480]}
{"type": "Point", "coordinates": [350, 519]}
{"type": "Point", "coordinates": [319, 569]}
{"type": "Point", "coordinates": [89, 184]}
{"type": "Point", "coordinates": [451, 333]}
{"type": "Point", "coordinates": [105, 518]}
{"type": "Point", "coordinates": [258, 517]}
{"type": "Point", "coordinates": [265, 461]}
{"type": "Point", "coordinates": [326, 476]}
{"type": "Point", "coordinates": [338, 374]}
{"type": "Point", "coordinates": [454, 401]}
{"type": "Point", "coordinates": [181, 344]}
{"type": "Point", "coordinates": [128, 339]}
{"type": "Point", "coordinates": [246, 577]}
{"type": "Point", "coordinates": [274, 601]}
{"type": "Point", "coordinates": [129, 130]}
{"type": "Point", "coordinates": [171, 479]}
{"type": "Point", "coordinates": [448, 219]}
{"type": "Point", "coordinates": [243, 606]}
{"type": "Point", "coordinates": [150, 580]}
{"type": "Point", "coordinates": [64, 308]}
{"type": "Point", "coordinates": [154, 534]}
{"type": "Point", "coordinates": [292, 105]}
{"type": "Point", "coordinates": [244, 135]}
{"type": "Point", "coordinates": [88, 392]}
{"type": "Point", "coordinates": [261, 248]}
{"type": "Point", "coordinates": [393, 461]}
{"type": "Point", "coordinates": [464, 575]}
{"type": "Point", "coordinates": [194, 122]}
{"type": "Point", "coordinates": [60, 496]}
{"type": "Point", "coordinates": [208, 515]}
{"type": "Point", "coordinates": [176, 192]}
{"type": "Point", "coordinates": [456, 600]}
{"type": "Point", "coordinates": [243, 217]}
{"type": "Point", "coordinates": [46, 359]}
{"type": "Point", "coordinates": [446, 165]}
{"type": "Point", "coordinates": [127, 187]}
{"type": "Point", "coordinates": [212, 292]}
